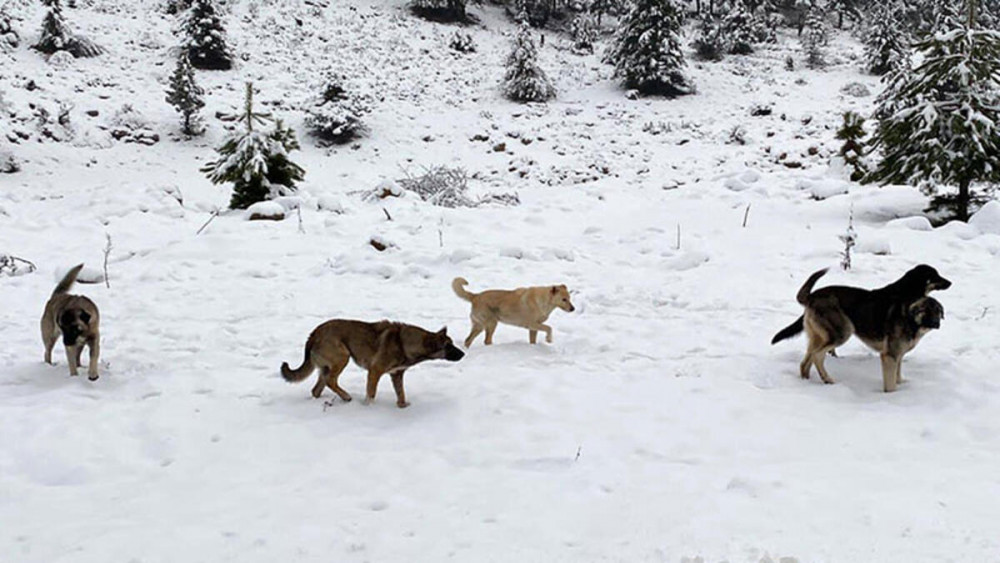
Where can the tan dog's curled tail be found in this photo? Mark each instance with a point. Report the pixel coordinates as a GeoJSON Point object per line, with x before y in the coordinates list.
{"type": "Point", "coordinates": [68, 280]}
{"type": "Point", "coordinates": [806, 290]}
{"type": "Point", "coordinates": [458, 286]}
{"type": "Point", "coordinates": [298, 374]}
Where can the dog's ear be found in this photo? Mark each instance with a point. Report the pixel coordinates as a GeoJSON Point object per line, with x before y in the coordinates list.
{"type": "Point", "coordinates": [563, 287]}
{"type": "Point", "coordinates": [85, 317]}
{"type": "Point", "coordinates": [555, 289]}
{"type": "Point", "coordinates": [443, 332]}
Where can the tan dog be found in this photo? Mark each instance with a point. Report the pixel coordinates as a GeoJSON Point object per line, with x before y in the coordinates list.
{"type": "Point", "coordinates": [381, 347]}
{"type": "Point", "coordinates": [526, 307]}
{"type": "Point", "coordinates": [77, 319]}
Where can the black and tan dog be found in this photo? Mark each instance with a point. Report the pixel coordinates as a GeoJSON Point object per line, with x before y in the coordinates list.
{"type": "Point", "coordinates": [77, 319]}
{"type": "Point", "coordinates": [381, 347]}
{"type": "Point", "coordinates": [890, 320]}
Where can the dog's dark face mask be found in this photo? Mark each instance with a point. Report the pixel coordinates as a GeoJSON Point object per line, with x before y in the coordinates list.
{"type": "Point", "coordinates": [927, 313]}
{"type": "Point", "coordinates": [928, 277]}
{"type": "Point", "coordinates": [442, 346]}
{"type": "Point", "coordinates": [74, 325]}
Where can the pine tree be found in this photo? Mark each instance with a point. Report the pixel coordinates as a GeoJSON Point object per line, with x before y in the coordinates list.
{"type": "Point", "coordinates": [886, 43]}
{"type": "Point", "coordinates": [254, 161]}
{"type": "Point", "coordinates": [938, 125]}
{"type": "Point", "coordinates": [440, 10]}
{"type": "Point", "coordinates": [205, 38]}
{"type": "Point", "coordinates": [336, 115]}
{"type": "Point", "coordinates": [709, 44]}
{"type": "Point", "coordinates": [584, 33]}
{"type": "Point", "coordinates": [647, 49]}
{"type": "Point", "coordinates": [814, 38]}
{"type": "Point", "coordinates": [852, 132]}
{"type": "Point", "coordinates": [524, 80]}
{"type": "Point", "coordinates": [738, 29]}
{"type": "Point", "coordinates": [56, 36]}
{"type": "Point", "coordinates": [186, 97]}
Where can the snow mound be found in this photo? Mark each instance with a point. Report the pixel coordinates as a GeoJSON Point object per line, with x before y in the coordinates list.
{"type": "Point", "coordinates": [915, 223]}
{"type": "Point", "coordinates": [874, 245]}
{"type": "Point", "coordinates": [823, 189]}
{"type": "Point", "coordinates": [265, 210]}
{"type": "Point", "coordinates": [987, 219]}
{"type": "Point", "coordinates": [961, 230]}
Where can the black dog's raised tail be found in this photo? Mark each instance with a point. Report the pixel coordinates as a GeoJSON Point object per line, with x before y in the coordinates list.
{"type": "Point", "coordinates": [803, 295]}
{"type": "Point", "coordinates": [789, 331]}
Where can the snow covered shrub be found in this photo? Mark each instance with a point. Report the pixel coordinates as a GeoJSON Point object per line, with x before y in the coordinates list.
{"type": "Point", "coordinates": [440, 10]}
{"type": "Point", "coordinates": [647, 51]}
{"type": "Point", "coordinates": [737, 135]}
{"type": "Point", "coordinates": [8, 37]}
{"type": "Point", "coordinates": [335, 116]}
{"type": "Point", "coordinates": [709, 44]}
{"type": "Point", "coordinates": [887, 46]}
{"type": "Point", "coordinates": [55, 35]}
{"type": "Point", "coordinates": [524, 80]}
{"type": "Point", "coordinates": [440, 185]}
{"type": "Point", "coordinates": [938, 124]}
{"type": "Point", "coordinates": [585, 33]}
{"type": "Point", "coordinates": [13, 266]}
{"type": "Point", "coordinates": [738, 29]}
{"type": "Point", "coordinates": [850, 239]}
{"type": "Point", "coordinates": [9, 164]}
{"type": "Point", "coordinates": [462, 42]}
{"type": "Point", "coordinates": [204, 37]}
{"type": "Point", "coordinates": [789, 63]}
{"type": "Point", "coordinates": [176, 6]}
{"type": "Point", "coordinates": [186, 97]}
{"type": "Point", "coordinates": [814, 38]}
{"type": "Point", "coordinates": [852, 132]}
{"type": "Point", "coordinates": [254, 161]}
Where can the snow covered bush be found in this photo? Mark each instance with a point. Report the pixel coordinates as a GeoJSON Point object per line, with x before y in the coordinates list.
{"type": "Point", "coordinates": [444, 187]}
{"type": "Point", "coordinates": [584, 31]}
{"type": "Point", "coordinates": [887, 47]}
{"type": "Point", "coordinates": [8, 37]}
{"type": "Point", "coordinates": [647, 51]}
{"type": "Point", "coordinates": [186, 97]}
{"type": "Point", "coordinates": [738, 29]}
{"type": "Point", "coordinates": [56, 36]}
{"type": "Point", "coordinates": [13, 266]}
{"type": "Point", "coordinates": [524, 80]}
{"type": "Point", "coordinates": [709, 44]}
{"type": "Point", "coordinates": [938, 124]}
{"type": "Point", "coordinates": [176, 6]}
{"type": "Point", "coordinates": [462, 42]}
{"type": "Point", "coordinates": [440, 10]}
{"type": "Point", "coordinates": [254, 161]}
{"type": "Point", "coordinates": [205, 38]}
{"type": "Point", "coordinates": [335, 116]}
{"type": "Point", "coordinates": [852, 132]}
{"type": "Point", "coordinates": [9, 164]}
{"type": "Point", "coordinates": [814, 38]}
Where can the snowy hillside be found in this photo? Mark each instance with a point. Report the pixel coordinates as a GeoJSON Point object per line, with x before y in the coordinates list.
{"type": "Point", "coordinates": [660, 425]}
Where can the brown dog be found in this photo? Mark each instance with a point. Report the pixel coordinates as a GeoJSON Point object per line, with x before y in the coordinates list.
{"type": "Point", "coordinates": [78, 320]}
{"type": "Point", "coordinates": [526, 307]}
{"type": "Point", "coordinates": [381, 347]}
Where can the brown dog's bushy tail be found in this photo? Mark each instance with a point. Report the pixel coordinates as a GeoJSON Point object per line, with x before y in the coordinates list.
{"type": "Point", "coordinates": [803, 296]}
{"type": "Point", "coordinates": [68, 280]}
{"type": "Point", "coordinates": [458, 286]}
{"type": "Point", "coordinates": [789, 331]}
{"type": "Point", "coordinates": [298, 374]}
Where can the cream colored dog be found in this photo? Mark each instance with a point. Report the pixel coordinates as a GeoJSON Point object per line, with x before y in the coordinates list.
{"type": "Point", "coordinates": [526, 307]}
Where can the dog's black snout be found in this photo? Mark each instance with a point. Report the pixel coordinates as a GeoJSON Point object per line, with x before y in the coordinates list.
{"type": "Point", "coordinates": [453, 354]}
{"type": "Point", "coordinates": [572, 308]}
{"type": "Point", "coordinates": [943, 283]}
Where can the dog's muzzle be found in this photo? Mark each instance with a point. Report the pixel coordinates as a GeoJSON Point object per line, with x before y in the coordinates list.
{"type": "Point", "coordinates": [453, 354]}
{"type": "Point", "coordinates": [940, 283]}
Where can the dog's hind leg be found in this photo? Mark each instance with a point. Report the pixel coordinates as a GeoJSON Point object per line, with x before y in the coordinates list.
{"type": "Point", "coordinates": [477, 329]}
{"type": "Point", "coordinates": [818, 358]}
{"type": "Point", "coordinates": [491, 327]}
{"type": "Point", "coordinates": [321, 381]}
{"type": "Point", "coordinates": [397, 384]}
{"type": "Point", "coordinates": [50, 342]}
{"type": "Point", "coordinates": [335, 370]}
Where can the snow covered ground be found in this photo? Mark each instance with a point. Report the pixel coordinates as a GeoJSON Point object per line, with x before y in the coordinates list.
{"type": "Point", "coordinates": [659, 426]}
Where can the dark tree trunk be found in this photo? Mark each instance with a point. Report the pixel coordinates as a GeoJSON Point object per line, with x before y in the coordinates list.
{"type": "Point", "coordinates": [962, 204]}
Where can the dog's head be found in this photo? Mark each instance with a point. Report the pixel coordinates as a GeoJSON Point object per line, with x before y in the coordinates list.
{"type": "Point", "coordinates": [926, 312]}
{"type": "Point", "coordinates": [74, 323]}
{"type": "Point", "coordinates": [924, 279]}
{"type": "Point", "coordinates": [438, 346]}
{"type": "Point", "coordinates": [560, 298]}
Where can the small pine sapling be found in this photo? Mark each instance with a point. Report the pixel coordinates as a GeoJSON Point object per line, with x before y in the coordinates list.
{"type": "Point", "coordinates": [738, 29]}
{"type": "Point", "coordinates": [852, 132]}
{"type": "Point", "coordinates": [647, 52]}
{"type": "Point", "coordinates": [205, 38]}
{"type": "Point", "coordinates": [254, 161]}
{"type": "Point", "coordinates": [336, 115]}
{"type": "Point", "coordinates": [524, 80]}
{"type": "Point", "coordinates": [709, 44]}
{"type": "Point", "coordinates": [56, 36]}
{"type": "Point", "coordinates": [814, 38]}
{"type": "Point", "coordinates": [186, 97]}
{"type": "Point", "coordinates": [462, 42]}
{"type": "Point", "coordinates": [887, 45]}
{"type": "Point", "coordinates": [584, 31]}
{"type": "Point", "coordinates": [850, 239]}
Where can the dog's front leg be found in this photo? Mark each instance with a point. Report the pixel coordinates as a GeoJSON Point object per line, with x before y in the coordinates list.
{"type": "Point", "coordinates": [397, 384]}
{"type": "Point", "coordinates": [532, 336]}
{"type": "Point", "coordinates": [374, 375]}
{"type": "Point", "coordinates": [890, 366]}
{"type": "Point", "coordinates": [71, 359]}
{"type": "Point", "coordinates": [95, 358]}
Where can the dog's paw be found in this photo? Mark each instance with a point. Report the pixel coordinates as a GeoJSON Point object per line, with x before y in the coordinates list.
{"type": "Point", "coordinates": [367, 401]}
{"type": "Point", "coordinates": [93, 377]}
{"type": "Point", "coordinates": [549, 339]}
{"type": "Point", "coordinates": [403, 404]}
{"type": "Point", "coordinates": [347, 399]}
